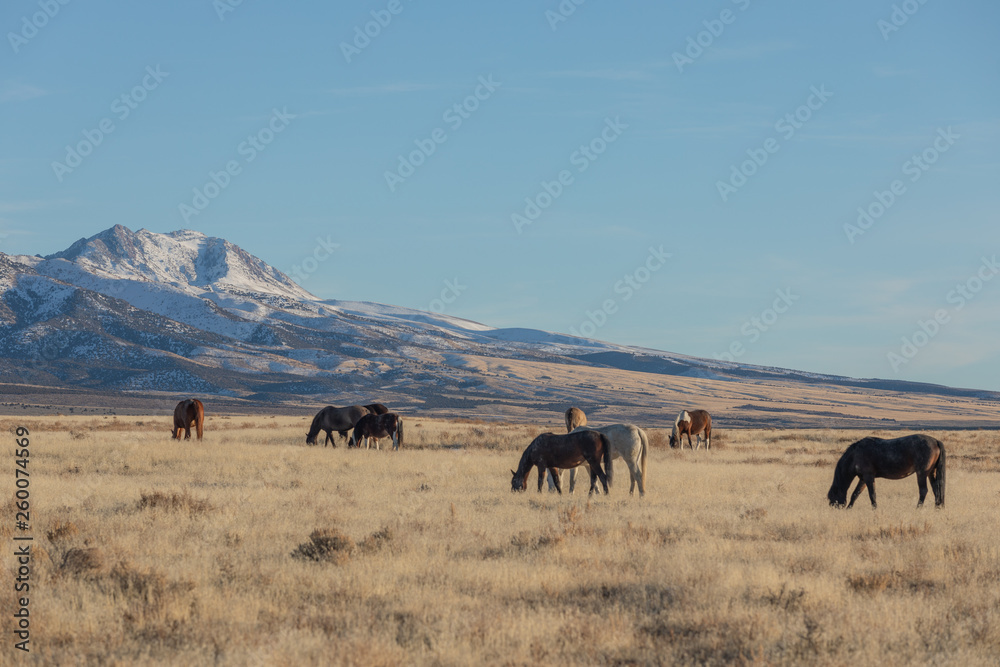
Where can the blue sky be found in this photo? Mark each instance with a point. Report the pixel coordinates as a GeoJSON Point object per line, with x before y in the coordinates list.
{"type": "Point", "coordinates": [742, 157]}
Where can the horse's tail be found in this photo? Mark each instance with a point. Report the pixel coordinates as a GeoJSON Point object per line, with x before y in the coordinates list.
{"type": "Point", "coordinates": [199, 416]}
{"type": "Point", "coordinates": [607, 456]}
{"type": "Point", "coordinates": [939, 474]}
{"type": "Point", "coordinates": [642, 456]}
{"type": "Point", "coordinates": [399, 433]}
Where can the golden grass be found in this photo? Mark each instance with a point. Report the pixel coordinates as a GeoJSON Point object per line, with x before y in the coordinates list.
{"type": "Point", "coordinates": [251, 548]}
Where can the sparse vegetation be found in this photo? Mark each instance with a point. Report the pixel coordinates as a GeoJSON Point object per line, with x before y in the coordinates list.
{"type": "Point", "coordinates": [252, 548]}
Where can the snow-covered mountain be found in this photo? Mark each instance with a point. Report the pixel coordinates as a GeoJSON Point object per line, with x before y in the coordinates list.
{"type": "Point", "coordinates": [187, 313]}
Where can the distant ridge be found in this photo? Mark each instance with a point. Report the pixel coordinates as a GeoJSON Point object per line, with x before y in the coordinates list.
{"type": "Point", "coordinates": [137, 313]}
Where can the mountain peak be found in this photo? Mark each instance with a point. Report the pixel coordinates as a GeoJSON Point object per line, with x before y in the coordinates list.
{"type": "Point", "coordinates": [184, 258]}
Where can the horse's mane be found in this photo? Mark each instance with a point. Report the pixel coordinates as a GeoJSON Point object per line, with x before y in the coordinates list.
{"type": "Point", "coordinates": [683, 416]}
{"type": "Point", "coordinates": [846, 459]}
{"type": "Point", "coordinates": [314, 427]}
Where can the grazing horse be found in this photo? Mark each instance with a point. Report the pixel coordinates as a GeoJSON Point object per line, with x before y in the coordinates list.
{"type": "Point", "coordinates": [628, 443]}
{"type": "Point", "coordinates": [189, 411]}
{"type": "Point", "coordinates": [332, 419]}
{"type": "Point", "coordinates": [869, 458]}
{"type": "Point", "coordinates": [551, 452]}
{"type": "Point", "coordinates": [692, 423]}
{"type": "Point", "coordinates": [375, 427]}
{"type": "Point", "coordinates": [574, 418]}
{"type": "Point", "coordinates": [376, 408]}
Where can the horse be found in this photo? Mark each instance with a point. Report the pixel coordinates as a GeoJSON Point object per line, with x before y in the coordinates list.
{"type": "Point", "coordinates": [629, 443]}
{"type": "Point", "coordinates": [574, 418]}
{"type": "Point", "coordinates": [376, 408]}
{"type": "Point", "coordinates": [374, 427]}
{"type": "Point", "coordinates": [692, 423]}
{"type": "Point", "coordinates": [332, 419]}
{"type": "Point", "coordinates": [869, 458]}
{"type": "Point", "coordinates": [551, 452]}
{"type": "Point", "coordinates": [189, 411]}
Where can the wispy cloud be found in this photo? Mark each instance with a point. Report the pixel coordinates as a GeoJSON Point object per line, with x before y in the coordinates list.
{"type": "Point", "coordinates": [21, 206]}
{"type": "Point", "coordinates": [384, 89]}
{"type": "Point", "coordinates": [749, 51]}
{"type": "Point", "coordinates": [886, 71]}
{"type": "Point", "coordinates": [15, 91]}
{"type": "Point", "coordinates": [606, 73]}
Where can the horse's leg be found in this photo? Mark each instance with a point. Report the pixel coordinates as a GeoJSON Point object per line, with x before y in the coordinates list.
{"type": "Point", "coordinates": [596, 472]}
{"type": "Point", "coordinates": [922, 485]}
{"type": "Point", "coordinates": [572, 480]}
{"type": "Point", "coordinates": [541, 476]}
{"type": "Point", "coordinates": [870, 482]}
{"type": "Point", "coordinates": [857, 492]}
{"type": "Point", "coordinates": [557, 480]}
{"type": "Point", "coordinates": [935, 486]}
{"type": "Point", "coordinates": [550, 475]}
{"type": "Point", "coordinates": [636, 474]}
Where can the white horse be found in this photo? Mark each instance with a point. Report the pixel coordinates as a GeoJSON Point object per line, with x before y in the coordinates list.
{"type": "Point", "coordinates": [629, 443]}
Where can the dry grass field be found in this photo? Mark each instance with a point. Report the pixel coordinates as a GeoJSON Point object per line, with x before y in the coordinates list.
{"type": "Point", "coordinates": [251, 548]}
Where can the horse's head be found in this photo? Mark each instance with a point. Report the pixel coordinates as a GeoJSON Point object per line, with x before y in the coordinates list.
{"type": "Point", "coordinates": [837, 495]}
{"type": "Point", "coordinates": [673, 440]}
{"type": "Point", "coordinates": [310, 439]}
{"type": "Point", "coordinates": [842, 478]}
{"type": "Point", "coordinates": [518, 482]}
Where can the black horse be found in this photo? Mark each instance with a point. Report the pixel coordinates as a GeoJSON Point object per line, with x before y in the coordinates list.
{"type": "Point", "coordinates": [375, 427]}
{"type": "Point", "coordinates": [552, 452]}
{"type": "Point", "coordinates": [869, 458]}
{"type": "Point", "coordinates": [377, 408]}
{"type": "Point", "coordinates": [332, 419]}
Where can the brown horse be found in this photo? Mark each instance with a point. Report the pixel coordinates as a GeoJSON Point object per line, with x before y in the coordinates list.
{"type": "Point", "coordinates": [332, 419]}
{"type": "Point", "coordinates": [692, 423]}
{"type": "Point", "coordinates": [552, 452]}
{"type": "Point", "coordinates": [189, 411]}
{"type": "Point", "coordinates": [574, 418]}
{"type": "Point", "coordinates": [869, 458]}
{"type": "Point", "coordinates": [376, 408]}
{"type": "Point", "coordinates": [375, 427]}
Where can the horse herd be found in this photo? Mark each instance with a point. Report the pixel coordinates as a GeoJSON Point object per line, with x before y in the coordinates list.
{"type": "Point", "coordinates": [596, 447]}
